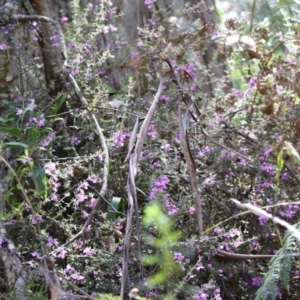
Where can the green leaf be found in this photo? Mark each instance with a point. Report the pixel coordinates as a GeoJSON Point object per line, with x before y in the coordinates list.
{"type": "Point", "coordinates": [57, 119]}
{"type": "Point", "coordinates": [40, 181]}
{"type": "Point", "coordinates": [114, 208]}
{"type": "Point", "coordinates": [280, 165]}
{"type": "Point", "coordinates": [157, 279]}
{"type": "Point", "coordinates": [13, 131]}
{"type": "Point", "coordinates": [58, 104]}
{"type": "Point", "coordinates": [15, 144]}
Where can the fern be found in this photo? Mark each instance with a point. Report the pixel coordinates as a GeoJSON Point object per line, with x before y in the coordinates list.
{"type": "Point", "coordinates": [280, 268]}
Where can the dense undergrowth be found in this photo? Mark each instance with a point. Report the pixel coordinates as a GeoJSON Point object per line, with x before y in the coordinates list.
{"type": "Point", "coordinates": [213, 137]}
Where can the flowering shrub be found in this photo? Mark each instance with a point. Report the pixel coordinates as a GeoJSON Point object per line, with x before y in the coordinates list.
{"type": "Point", "coordinates": [178, 120]}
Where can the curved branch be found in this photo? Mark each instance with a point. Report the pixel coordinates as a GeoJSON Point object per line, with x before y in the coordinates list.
{"type": "Point", "coordinates": [133, 155]}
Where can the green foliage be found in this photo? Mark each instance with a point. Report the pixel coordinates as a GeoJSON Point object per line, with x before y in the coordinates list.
{"type": "Point", "coordinates": [116, 208]}
{"type": "Point", "coordinates": [168, 236]}
{"type": "Point", "coordinates": [279, 268]}
{"type": "Point", "coordinates": [240, 85]}
{"type": "Point", "coordinates": [40, 181]}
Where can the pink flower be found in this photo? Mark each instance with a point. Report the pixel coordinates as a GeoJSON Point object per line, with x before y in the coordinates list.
{"type": "Point", "coordinates": [77, 277]}
{"type": "Point", "coordinates": [19, 111]}
{"type": "Point", "coordinates": [62, 253]}
{"type": "Point", "coordinates": [192, 210]}
{"type": "Point", "coordinates": [50, 168]}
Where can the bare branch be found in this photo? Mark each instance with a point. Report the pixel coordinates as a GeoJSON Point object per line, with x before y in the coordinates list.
{"type": "Point", "coordinates": [261, 213]}
{"type": "Point", "coordinates": [183, 127]}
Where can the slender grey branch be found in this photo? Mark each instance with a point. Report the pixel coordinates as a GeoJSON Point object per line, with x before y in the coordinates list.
{"type": "Point", "coordinates": [183, 127]}
{"type": "Point", "coordinates": [261, 213]}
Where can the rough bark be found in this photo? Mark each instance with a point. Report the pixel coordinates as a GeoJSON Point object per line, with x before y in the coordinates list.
{"type": "Point", "coordinates": [52, 59]}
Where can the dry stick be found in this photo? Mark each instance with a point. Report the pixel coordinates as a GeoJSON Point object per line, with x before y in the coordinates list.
{"type": "Point", "coordinates": [261, 213]}
{"type": "Point", "coordinates": [191, 166]}
{"type": "Point", "coordinates": [134, 155]}
{"type": "Point", "coordinates": [127, 238]}
{"type": "Point", "coordinates": [223, 255]}
{"type": "Point", "coordinates": [131, 188]}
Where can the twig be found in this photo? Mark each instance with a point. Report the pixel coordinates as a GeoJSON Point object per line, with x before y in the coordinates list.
{"type": "Point", "coordinates": [191, 166]}
{"type": "Point", "coordinates": [261, 213]}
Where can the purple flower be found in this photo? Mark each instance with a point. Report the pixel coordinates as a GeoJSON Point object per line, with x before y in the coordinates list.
{"type": "Point", "coordinates": [191, 70]}
{"type": "Point", "coordinates": [41, 122]}
{"type": "Point", "coordinates": [263, 221]}
{"type": "Point", "coordinates": [199, 266]}
{"type": "Point", "coordinates": [75, 141]}
{"type": "Point", "coordinates": [27, 160]}
{"type": "Point", "coordinates": [202, 297]}
{"type": "Point", "coordinates": [64, 20]}
{"type": "Point", "coordinates": [69, 270]}
{"type": "Point", "coordinates": [192, 210]}
{"type": "Point", "coordinates": [209, 181]}
{"type": "Point", "coordinates": [19, 111]}
{"type": "Point", "coordinates": [36, 220]}
{"type": "Point", "coordinates": [77, 277]}
{"type": "Point", "coordinates": [238, 94]}
{"type": "Point", "coordinates": [150, 3]}
{"type": "Point", "coordinates": [166, 147]}
{"type": "Point", "coordinates": [120, 138]}
{"type": "Point", "coordinates": [296, 272]}
{"type": "Point", "coordinates": [89, 252]}
{"type": "Point", "coordinates": [62, 253]}
{"type": "Point", "coordinates": [178, 256]}
{"type": "Point", "coordinates": [45, 143]}
{"type": "Point", "coordinates": [140, 44]}
{"type": "Point", "coordinates": [54, 197]}
{"type": "Point", "coordinates": [152, 132]}
{"type": "Point", "coordinates": [50, 168]}
{"type": "Point", "coordinates": [3, 47]}
{"type": "Point", "coordinates": [255, 244]}
{"type": "Point", "coordinates": [256, 281]}
{"type": "Point", "coordinates": [218, 230]}
{"type": "Point", "coordinates": [81, 196]}
{"type": "Point", "coordinates": [35, 254]}
{"type": "Point", "coordinates": [160, 185]}
{"type": "Point", "coordinates": [134, 54]}
{"type": "Point", "coordinates": [165, 98]}
{"type": "Point", "coordinates": [52, 242]}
